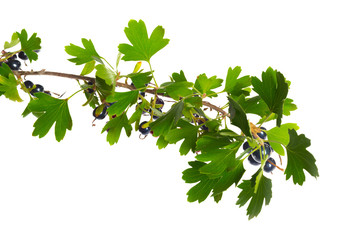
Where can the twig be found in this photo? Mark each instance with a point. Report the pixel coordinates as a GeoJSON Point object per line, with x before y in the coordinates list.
{"type": "Point", "coordinates": [118, 84]}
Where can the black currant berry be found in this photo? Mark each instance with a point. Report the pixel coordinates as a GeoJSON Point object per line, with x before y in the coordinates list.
{"type": "Point", "coordinates": [265, 152]}
{"type": "Point", "coordinates": [23, 56]}
{"type": "Point", "coordinates": [252, 161]}
{"type": "Point", "coordinates": [28, 84]}
{"type": "Point", "coordinates": [246, 145]}
{"type": "Point", "coordinates": [36, 89]}
{"type": "Point", "coordinates": [154, 116]}
{"type": "Point", "coordinates": [160, 102]}
{"type": "Point", "coordinates": [268, 167]}
{"type": "Point", "coordinates": [14, 64]}
{"type": "Point", "coordinates": [262, 134]}
{"type": "Point", "coordinates": [90, 90]}
{"type": "Point", "coordinates": [142, 130]}
{"type": "Point", "coordinates": [13, 57]}
{"type": "Point", "coordinates": [202, 121]}
{"type": "Point", "coordinates": [100, 112]}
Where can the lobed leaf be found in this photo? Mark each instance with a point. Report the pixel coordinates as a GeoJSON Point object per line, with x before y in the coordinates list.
{"type": "Point", "coordinates": [114, 128]}
{"type": "Point", "coordinates": [185, 131]}
{"type": "Point", "coordinates": [8, 86]}
{"type": "Point", "coordinates": [54, 111]}
{"type": "Point", "coordinates": [238, 117]}
{"type": "Point", "coordinates": [143, 47]}
{"type": "Point", "coordinates": [204, 84]}
{"type": "Point", "coordinates": [13, 42]}
{"type": "Point", "coordinates": [235, 86]}
{"type": "Point", "coordinates": [273, 90]}
{"type": "Point", "coordinates": [299, 159]}
{"type": "Point", "coordinates": [177, 90]}
{"type": "Point", "coordinates": [83, 55]}
{"type": "Point", "coordinates": [279, 136]}
{"type": "Point", "coordinates": [29, 45]}
{"type": "Point", "coordinates": [258, 189]}
{"type": "Point", "coordinates": [121, 101]}
{"type": "Point", "coordinates": [163, 124]}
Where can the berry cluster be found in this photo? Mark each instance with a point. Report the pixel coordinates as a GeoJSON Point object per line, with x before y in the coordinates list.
{"type": "Point", "coordinates": [144, 128]}
{"type": "Point", "coordinates": [13, 61]}
{"type": "Point", "coordinates": [34, 88]}
{"type": "Point", "coordinates": [263, 153]}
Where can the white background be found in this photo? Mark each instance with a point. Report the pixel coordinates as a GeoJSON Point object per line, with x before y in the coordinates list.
{"type": "Point", "coordinates": [82, 188]}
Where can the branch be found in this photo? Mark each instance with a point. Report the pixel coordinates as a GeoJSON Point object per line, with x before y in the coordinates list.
{"type": "Point", "coordinates": [118, 84]}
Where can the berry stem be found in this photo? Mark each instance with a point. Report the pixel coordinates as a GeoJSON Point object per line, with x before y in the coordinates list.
{"type": "Point", "coordinates": [152, 73]}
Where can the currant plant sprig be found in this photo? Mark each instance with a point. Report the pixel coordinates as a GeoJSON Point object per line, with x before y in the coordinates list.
{"type": "Point", "coordinates": [221, 136]}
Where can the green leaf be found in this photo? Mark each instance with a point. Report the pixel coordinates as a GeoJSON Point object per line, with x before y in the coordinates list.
{"type": "Point", "coordinates": [231, 78]}
{"type": "Point", "coordinates": [88, 68]}
{"type": "Point", "coordinates": [122, 101]}
{"type": "Point", "coordinates": [289, 106]}
{"type": "Point", "coordinates": [299, 159]}
{"type": "Point", "coordinates": [105, 73]}
{"type": "Point", "coordinates": [177, 90]}
{"type": "Point", "coordinates": [185, 131]}
{"type": "Point", "coordinates": [219, 160]}
{"type": "Point", "coordinates": [229, 178]}
{"type": "Point", "coordinates": [238, 117]}
{"type": "Point", "coordinates": [193, 102]}
{"type": "Point", "coordinates": [201, 190]}
{"type": "Point", "coordinates": [140, 79]}
{"type": "Point", "coordinates": [29, 45]}
{"type": "Point", "coordinates": [83, 55]}
{"type": "Point", "coordinates": [258, 189]}
{"type": "Point", "coordinates": [55, 111]}
{"type": "Point", "coordinates": [233, 85]}
{"type": "Point", "coordinates": [143, 47]}
{"type": "Point", "coordinates": [254, 105]}
{"type": "Point", "coordinates": [8, 87]}
{"type": "Point", "coordinates": [163, 124]}
{"type": "Point", "coordinates": [279, 136]}
{"type": "Point", "coordinates": [205, 84]}
{"type": "Point", "coordinates": [212, 141]}
{"type": "Point", "coordinates": [273, 89]}
{"type": "Point", "coordinates": [13, 42]}
{"type": "Point", "coordinates": [103, 88]}
{"type": "Point", "coordinates": [5, 70]}
{"type": "Point", "coordinates": [114, 127]}
{"type": "Point", "coordinates": [161, 142]}
{"type": "Point", "coordinates": [179, 77]}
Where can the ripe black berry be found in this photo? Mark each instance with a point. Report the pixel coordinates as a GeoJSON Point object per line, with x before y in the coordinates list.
{"type": "Point", "coordinates": [90, 90]}
{"type": "Point", "coordinates": [268, 167]}
{"type": "Point", "coordinates": [265, 152]}
{"type": "Point", "coordinates": [202, 121]}
{"type": "Point", "coordinates": [38, 88]}
{"type": "Point", "coordinates": [154, 116]}
{"type": "Point", "coordinates": [252, 161]}
{"type": "Point", "coordinates": [14, 64]}
{"type": "Point", "coordinates": [28, 84]}
{"type": "Point", "coordinates": [262, 134]}
{"type": "Point", "coordinates": [23, 56]}
{"type": "Point", "coordinates": [100, 112]}
{"type": "Point", "coordinates": [160, 102]}
{"type": "Point", "coordinates": [246, 145]}
{"type": "Point", "coordinates": [142, 130]}
{"type": "Point", "coordinates": [13, 57]}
